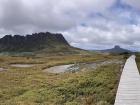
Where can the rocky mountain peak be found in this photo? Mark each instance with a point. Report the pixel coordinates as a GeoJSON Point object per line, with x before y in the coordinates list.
{"type": "Point", "coordinates": [36, 41]}
{"type": "Point", "coordinates": [117, 46]}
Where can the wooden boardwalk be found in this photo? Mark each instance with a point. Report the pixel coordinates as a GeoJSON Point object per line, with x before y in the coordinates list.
{"type": "Point", "coordinates": [129, 86]}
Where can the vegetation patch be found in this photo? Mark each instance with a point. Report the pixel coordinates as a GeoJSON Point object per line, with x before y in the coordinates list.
{"type": "Point", "coordinates": [31, 86]}
{"type": "Point", "coordinates": [138, 60]}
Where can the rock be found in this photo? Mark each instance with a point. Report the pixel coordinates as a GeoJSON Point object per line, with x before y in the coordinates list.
{"type": "Point", "coordinates": [117, 49]}
{"type": "Point", "coordinates": [34, 42]}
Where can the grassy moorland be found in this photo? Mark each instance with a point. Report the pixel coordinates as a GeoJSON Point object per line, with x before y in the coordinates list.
{"type": "Point", "coordinates": [31, 86]}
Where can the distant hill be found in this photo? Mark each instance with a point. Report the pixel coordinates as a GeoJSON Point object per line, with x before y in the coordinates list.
{"type": "Point", "coordinates": [116, 49]}
{"type": "Point", "coordinates": [34, 42]}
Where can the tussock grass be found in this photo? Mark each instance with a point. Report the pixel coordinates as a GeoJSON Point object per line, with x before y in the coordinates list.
{"type": "Point", "coordinates": [31, 86]}
{"type": "Point", "coordinates": [138, 60]}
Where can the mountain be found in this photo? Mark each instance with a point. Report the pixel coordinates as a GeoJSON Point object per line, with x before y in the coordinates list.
{"type": "Point", "coordinates": [116, 49]}
{"type": "Point", "coordinates": [34, 42]}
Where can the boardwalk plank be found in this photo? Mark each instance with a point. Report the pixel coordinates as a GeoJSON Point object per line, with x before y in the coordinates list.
{"type": "Point", "coordinates": [129, 87]}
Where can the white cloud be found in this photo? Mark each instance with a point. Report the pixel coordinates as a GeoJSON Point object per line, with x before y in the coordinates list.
{"type": "Point", "coordinates": [133, 3]}
{"type": "Point", "coordinates": [50, 15]}
{"type": "Point", "coordinates": [85, 23]}
{"type": "Point", "coordinates": [112, 34]}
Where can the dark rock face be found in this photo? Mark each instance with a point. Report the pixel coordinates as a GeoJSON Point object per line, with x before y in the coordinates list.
{"type": "Point", "coordinates": [34, 42]}
{"type": "Point", "coordinates": [116, 49]}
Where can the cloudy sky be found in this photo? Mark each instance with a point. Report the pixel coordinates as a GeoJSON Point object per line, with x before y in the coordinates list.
{"type": "Point", "coordinates": [89, 24]}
